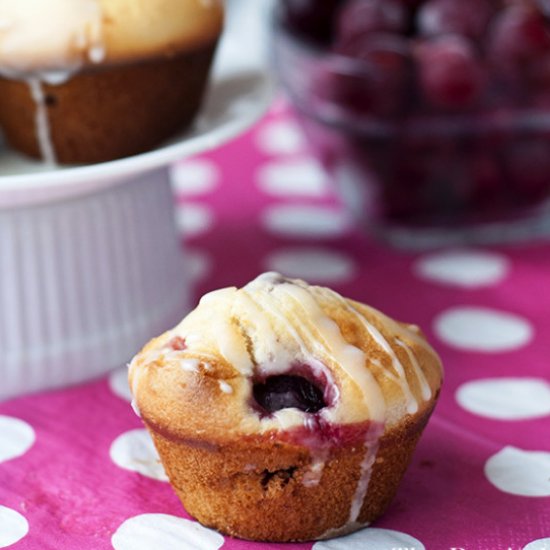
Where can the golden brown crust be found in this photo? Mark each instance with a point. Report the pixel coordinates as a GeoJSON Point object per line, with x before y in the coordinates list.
{"type": "Point", "coordinates": [109, 112]}
{"type": "Point", "coordinates": [87, 33]}
{"type": "Point", "coordinates": [140, 29]}
{"type": "Point", "coordinates": [185, 398]}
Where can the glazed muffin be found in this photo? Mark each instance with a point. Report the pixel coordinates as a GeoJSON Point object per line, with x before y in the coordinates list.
{"type": "Point", "coordinates": [283, 411]}
{"type": "Point", "coordinates": [85, 81]}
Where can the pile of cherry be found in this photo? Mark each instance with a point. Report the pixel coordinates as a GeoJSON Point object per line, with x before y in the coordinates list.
{"type": "Point", "coordinates": [479, 68]}
{"type": "Point", "coordinates": [446, 54]}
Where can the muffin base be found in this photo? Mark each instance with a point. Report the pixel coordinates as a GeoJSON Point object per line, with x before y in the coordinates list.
{"type": "Point", "coordinates": [253, 488]}
{"type": "Point", "coordinates": [109, 112]}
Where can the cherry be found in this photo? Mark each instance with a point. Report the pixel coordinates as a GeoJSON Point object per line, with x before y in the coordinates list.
{"type": "Point", "coordinates": [518, 33]}
{"type": "Point", "coordinates": [451, 75]}
{"type": "Point", "coordinates": [377, 82]}
{"type": "Point", "coordinates": [465, 17]}
{"type": "Point", "coordinates": [288, 391]}
{"type": "Point", "coordinates": [359, 17]}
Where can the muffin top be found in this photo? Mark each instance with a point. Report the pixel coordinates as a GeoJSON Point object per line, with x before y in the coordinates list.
{"type": "Point", "coordinates": [279, 355]}
{"type": "Point", "coordinates": [64, 35]}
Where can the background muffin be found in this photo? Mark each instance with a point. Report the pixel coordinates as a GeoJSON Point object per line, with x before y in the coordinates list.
{"type": "Point", "coordinates": [103, 79]}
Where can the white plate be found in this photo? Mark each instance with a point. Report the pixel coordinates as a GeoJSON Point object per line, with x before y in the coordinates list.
{"type": "Point", "coordinates": [240, 91]}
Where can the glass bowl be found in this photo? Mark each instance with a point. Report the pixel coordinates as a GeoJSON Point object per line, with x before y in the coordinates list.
{"type": "Point", "coordinates": [473, 165]}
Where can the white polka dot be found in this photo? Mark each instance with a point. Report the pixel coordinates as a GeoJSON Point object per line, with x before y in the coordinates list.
{"type": "Point", "coordinates": [199, 264]}
{"type": "Point", "coordinates": [506, 398]}
{"type": "Point", "coordinates": [193, 219]}
{"type": "Point", "coordinates": [312, 264]}
{"type": "Point", "coordinates": [13, 526]}
{"type": "Point", "coordinates": [134, 451]}
{"type": "Point", "coordinates": [195, 176]}
{"type": "Point", "coordinates": [17, 437]}
{"type": "Point", "coordinates": [164, 531]}
{"type": "Point", "coordinates": [481, 329]}
{"type": "Point", "coordinates": [118, 382]}
{"type": "Point", "coordinates": [297, 177]}
{"type": "Point", "coordinates": [305, 221]}
{"type": "Point", "coordinates": [524, 473]}
{"type": "Point", "coordinates": [357, 197]}
{"type": "Point", "coordinates": [463, 268]}
{"type": "Point", "coordinates": [539, 544]}
{"type": "Point", "coordinates": [280, 137]}
{"type": "Point", "coordinates": [371, 538]}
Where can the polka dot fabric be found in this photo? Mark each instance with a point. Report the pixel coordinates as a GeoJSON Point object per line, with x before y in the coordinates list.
{"type": "Point", "coordinates": [77, 470]}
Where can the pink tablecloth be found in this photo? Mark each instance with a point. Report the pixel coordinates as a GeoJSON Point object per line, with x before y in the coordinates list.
{"type": "Point", "coordinates": [77, 471]}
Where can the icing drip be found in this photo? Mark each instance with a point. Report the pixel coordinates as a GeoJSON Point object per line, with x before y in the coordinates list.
{"type": "Point", "coordinates": [225, 387]}
{"type": "Point", "coordinates": [230, 343]}
{"type": "Point", "coordinates": [190, 365]}
{"type": "Point", "coordinates": [41, 121]}
{"type": "Point", "coordinates": [135, 408]}
{"type": "Point", "coordinates": [365, 472]}
{"type": "Point", "coordinates": [399, 377]}
{"type": "Point", "coordinates": [313, 476]}
{"type": "Point", "coordinates": [425, 389]}
{"type": "Point", "coordinates": [96, 54]}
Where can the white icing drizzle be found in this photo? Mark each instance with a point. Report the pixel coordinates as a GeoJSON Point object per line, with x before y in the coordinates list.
{"type": "Point", "coordinates": [365, 472]}
{"type": "Point", "coordinates": [96, 54]}
{"type": "Point", "coordinates": [225, 387]}
{"type": "Point", "coordinates": [41, 121]}
{"type": "Point", "coordinates": [229, 341]}
{"type": "Point", "coordinates": [259, 315]}
{"type": "Point", "coordinates": [190, 365]}
{"type": "Point", "coordinates": [266, 313]}
{"type": "Point", "coordinates": [135, 407]}
{"type": "Point", "coordinates": [36, 35]}
{"type": "Point", "coordinates": [425, 389]}
{"type": "Point", "coordinates": [350, 358]}
{"type": "Point", "coordinates": [412, 403]}
{"type": "Point", "coordinates": [377, 336]}
{"type": "Point", "coordinates": [268, 307]}
{"type": "Point", "coordinates": [313, 475]}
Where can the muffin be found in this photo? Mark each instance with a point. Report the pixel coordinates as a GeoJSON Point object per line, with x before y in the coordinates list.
{"type": "Point", "coordinates": [283, 411]}
{"type": "Point", "coordinates": [103, 79]}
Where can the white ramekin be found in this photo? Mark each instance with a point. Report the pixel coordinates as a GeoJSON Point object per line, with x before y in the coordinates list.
{"type": "Point", "coordinates": [84, 282]}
